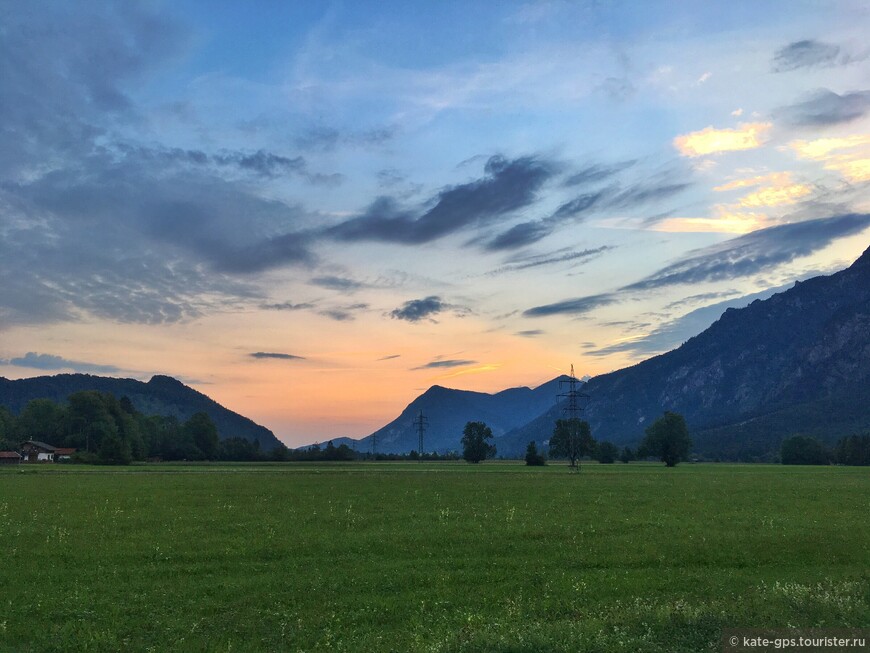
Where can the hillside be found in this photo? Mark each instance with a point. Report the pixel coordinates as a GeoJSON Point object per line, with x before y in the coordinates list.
{"type": "Point", "coordinates": [162, 395]}
{"type": "Point", "coordinates": [798, 362]}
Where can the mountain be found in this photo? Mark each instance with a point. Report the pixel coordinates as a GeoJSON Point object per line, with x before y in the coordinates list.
{"type": "Point", "coordinates": [798, 362]}
{"type": "Point", "coordinates": [448, 410]}
{"type": "Point", "coordinates": [162, 395]}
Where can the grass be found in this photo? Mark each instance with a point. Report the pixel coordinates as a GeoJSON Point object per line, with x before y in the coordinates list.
{"type": "Point", "coordinates": [426, 557]}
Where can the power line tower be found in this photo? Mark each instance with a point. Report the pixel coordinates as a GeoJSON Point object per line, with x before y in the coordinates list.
{"type": "Point", "coordinates": [421, 422]}
{"type": "Point", "coordinates": [576, 403]}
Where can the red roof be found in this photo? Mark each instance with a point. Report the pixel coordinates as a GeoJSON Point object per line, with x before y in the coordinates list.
{"type": "Point", "coordinates": [62, 451]}
{"type": "Point", "coordinates": [9, 454]}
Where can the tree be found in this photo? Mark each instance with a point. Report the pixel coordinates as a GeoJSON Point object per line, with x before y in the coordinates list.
{"type": "Point", "coordinates": [114, 450]}
{"type": "Point", "coordinates": [533, 458]}
{"type": "Point", "coordinates": [803, 450]}
{"type": "Point", "coordinates": [572, 439]}
{"type": "Point", "coordinates": [474, 442]}
{"type": "Point", "coordinates": [627, 455]}
{"type": "Point", "coordinates": [853, 450]}
{"type": "Point", "coordinates": [41, 419]}
{"type": "Point", "coordinates": [668, 439]}
{"type": "Point", "coordinates": [203, 433]}
{"type": "Point", "coordinates": [7, 430]}
{"type": "Point", "coordinates": [606, 453]}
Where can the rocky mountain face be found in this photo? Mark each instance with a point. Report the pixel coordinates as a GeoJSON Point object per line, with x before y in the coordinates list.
{"type": "Point", "coordinates": [162, 395]}
{"type": "Point", "coordinates": [798, 362]}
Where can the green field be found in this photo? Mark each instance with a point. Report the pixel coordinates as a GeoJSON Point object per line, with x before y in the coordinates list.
{"type": "Point", "coordinates": [426, 557]}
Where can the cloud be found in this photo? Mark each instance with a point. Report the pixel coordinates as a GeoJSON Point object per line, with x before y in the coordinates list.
{"type": "Point", "coordinates": [327, 139]}
{"type": "Point", "coordinates": [343, 313]}
{"type": "Point", "coordinates": [577, 306]}
{"type": "Point", "coordinates": [675, 332]}
{"type": "Point", "coordinates": [595, 173]}
{"type": "Point", "coordinates": [824, 108]}
{"type": "Point", "coordinates": [849, 155]}
{"type": "Point", "coordinates": [637, 194]}
{"type": "Point", "coordinates": [530, 333]}
{"type": "Point", "coordinates": [754, 252]}
{"type": "Point", "coordinates": [565, 255]}
{"type": "Point", "coordinates": [440, 364]}
{"type": "Point", "coordinates": [508, 185]}
{"type": "Point", "coordinates": [94, 227]}
{"type": "Point", "coordinates": [807, 53]}
{"type": "Point", "coordinates": [338, 283]}
{"type": "Point", "coordinates": [775, 189]}
{"type": "Point", "coordinates": [286, 306]}
{"type": "Point", "coordinates": [712, 141]}
{"type": "Point", "coordinates": [279, 356]}
{"type": "Point", "coordinates": [50, 362]}
{"type": "Point", "coordinates": [419, 309]}
{"type": "Point", "coordinates": [390, 357]}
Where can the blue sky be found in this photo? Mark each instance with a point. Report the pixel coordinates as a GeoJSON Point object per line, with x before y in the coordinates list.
{"type": "Point", "coordinates": [271, 200]}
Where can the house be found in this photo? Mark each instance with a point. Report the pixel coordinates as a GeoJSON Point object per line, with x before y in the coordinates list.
{"type": "Point", "coordinates": [9, 458]}
{"type": "Point", "coordinates": [34, 451]}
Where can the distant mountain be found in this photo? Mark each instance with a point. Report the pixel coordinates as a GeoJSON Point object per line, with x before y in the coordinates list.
{"type": "Point", "coordinates": [798, 362]}
{"type": "Point", "coordinates": [448, 411]}
{"type": "Point", "coordinates": [162, 395]}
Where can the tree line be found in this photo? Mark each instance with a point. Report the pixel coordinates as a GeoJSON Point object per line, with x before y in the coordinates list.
{"type": "Point", "coordinates": [105, 429]}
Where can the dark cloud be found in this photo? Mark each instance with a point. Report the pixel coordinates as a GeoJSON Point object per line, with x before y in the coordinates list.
{"type": "Point", "coordinates": [508, 185]}
{"type": "Point", "coordinates": [286, 306]}
{"type": "Point", "coordinates": [419, 309]}
{"type": "Point", "coordinates": [50, 362]}
{"type": "Point", "coordinates": [530, 333]}
{"type": "Point", "coordinates": [279, 356]}
{"type": "Point", "coordinates": [808, 53]}
{"type": "Point", "coordinates": [390, 357]}
{"type": "Point", "coordinates": [565, 255]}
{"type": "Point", "coordinates": [444, 364]}
{"type": "Point", "coordinates": [755, 252]}
{"type": "Point", "coordinates": [577, 306]}
{"type": "Point", "coordinates": [338, 283]}
{"type": "Point", "coordinates": [825, 108]}
{"type": "Point", "coordinates": [344, 313]}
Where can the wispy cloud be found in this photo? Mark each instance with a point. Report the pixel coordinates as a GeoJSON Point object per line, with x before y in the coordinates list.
{"type": "Point", "coordinates": [565, 255]}
{"type": "Point", "coordinates": [576, 306]}
{"type": "Point", "coordinates": [38, 361]}
{"type": "Point", "coordinates": [442, 364]}
{"type": "Point", "coordinates": [275, 355]}
{"type": "Point", "coordinates": [754, 252]}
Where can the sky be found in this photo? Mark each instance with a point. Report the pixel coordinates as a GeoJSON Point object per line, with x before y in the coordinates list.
{"type": "Point", "coordinates": [313, 211]}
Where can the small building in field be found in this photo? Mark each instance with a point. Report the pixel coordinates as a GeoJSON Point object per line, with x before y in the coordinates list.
{"type": "Point", "coordinates": [9, 458]}
{"type": "Point", "coordinates": [34, 451]}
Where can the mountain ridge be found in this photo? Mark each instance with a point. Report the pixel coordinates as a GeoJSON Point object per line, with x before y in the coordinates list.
{"type": "Point", "coordinates": [160, 395]}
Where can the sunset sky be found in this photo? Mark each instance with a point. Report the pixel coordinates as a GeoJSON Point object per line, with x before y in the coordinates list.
{"type": "Point", "coordinates": [313, 211]}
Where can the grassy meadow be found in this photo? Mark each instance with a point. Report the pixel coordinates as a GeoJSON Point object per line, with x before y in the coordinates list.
{"type": "Point", "coordinates": [426, 557]}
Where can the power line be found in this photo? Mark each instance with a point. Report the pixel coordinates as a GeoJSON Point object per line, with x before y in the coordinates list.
{"type": "Point", "coordinates": [421, 422]}
{"type": "Point", "coordinates": [574, 406]}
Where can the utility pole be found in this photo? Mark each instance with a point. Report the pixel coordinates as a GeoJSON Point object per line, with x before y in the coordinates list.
{"type": "Point", "coordinates": [574, 406]}
{"type": "Point", "coordinates": [421, 422]}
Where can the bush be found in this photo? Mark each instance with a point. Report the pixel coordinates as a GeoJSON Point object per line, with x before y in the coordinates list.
{"type": "Point", "coordinates": [804, 450]}
{"type": "Point", "coordinates": [533, 458]}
